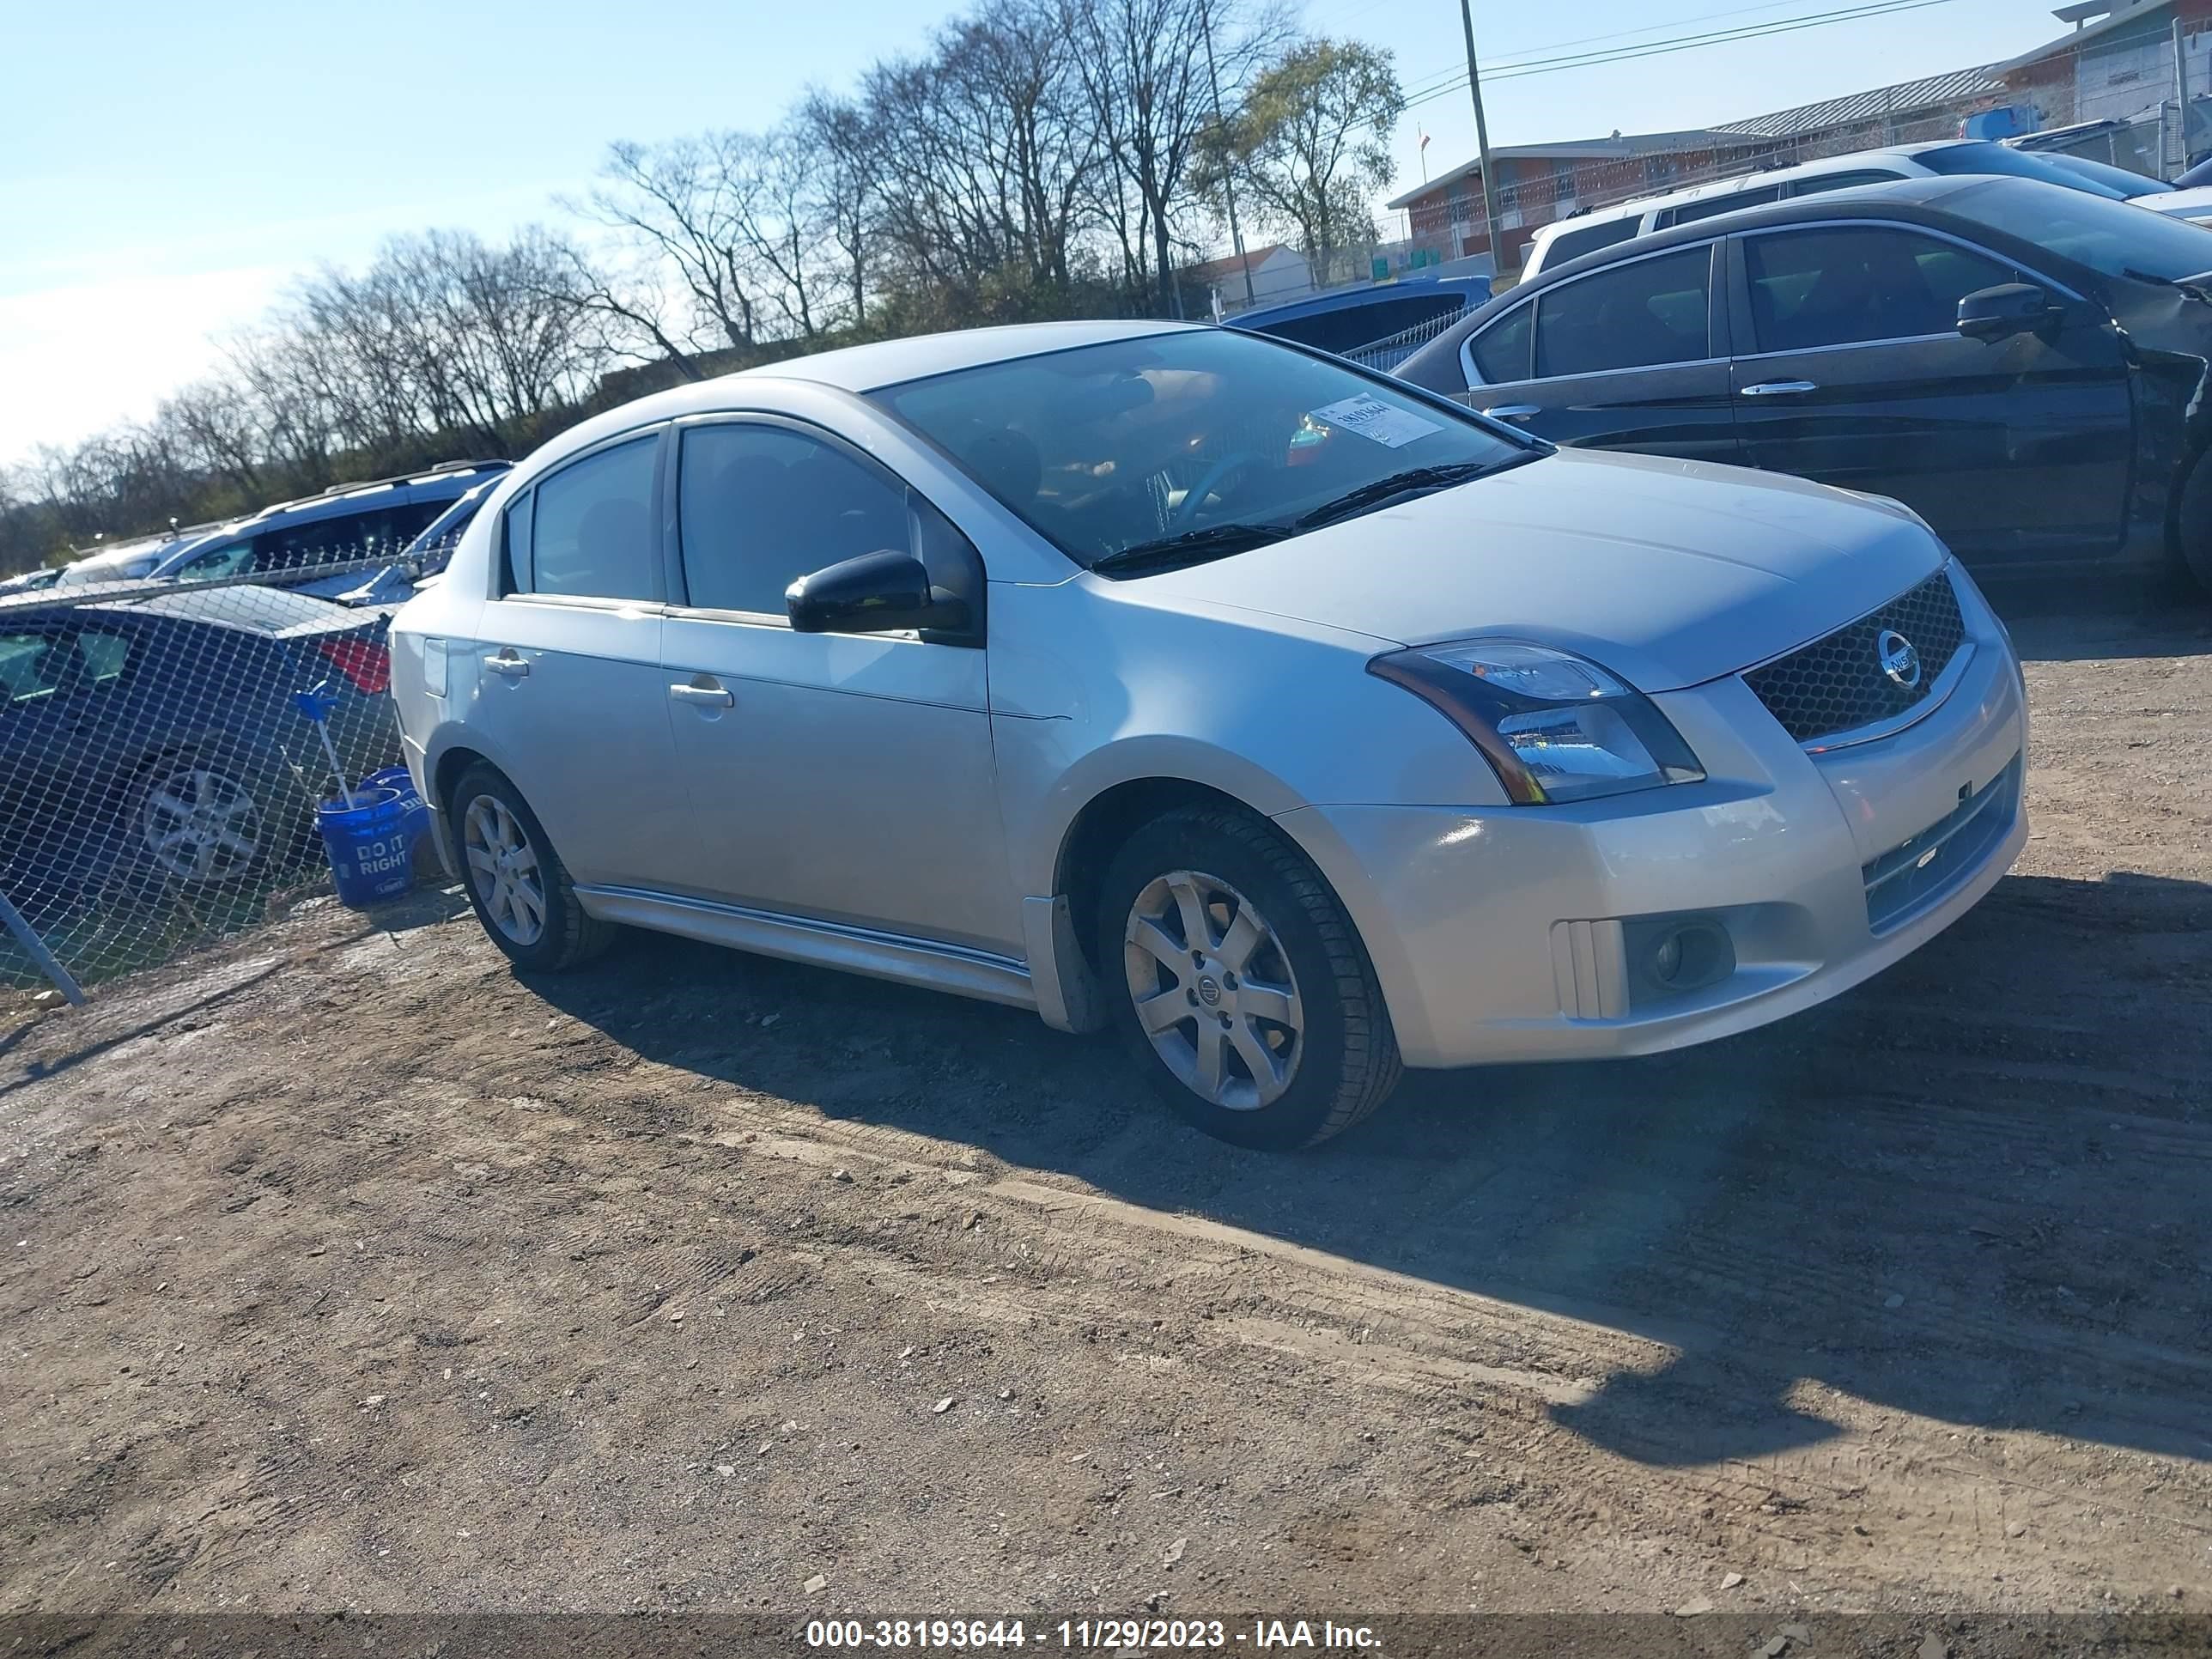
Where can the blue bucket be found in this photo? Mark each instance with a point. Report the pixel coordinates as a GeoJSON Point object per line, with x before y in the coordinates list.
{"type": "Point", "coordinates": [398, 777]}
{"type": "Point", "coordinates": [371, 846]}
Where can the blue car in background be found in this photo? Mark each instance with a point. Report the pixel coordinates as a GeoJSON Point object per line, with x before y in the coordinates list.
{"type": "Point", "coordinates": [346, 523]}
{"type": "Point", "coordinates": [1379, 326]}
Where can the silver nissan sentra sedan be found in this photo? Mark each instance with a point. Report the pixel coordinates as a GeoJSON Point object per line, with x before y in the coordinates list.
{"type": "Point", "coordinates": [1298, 725]}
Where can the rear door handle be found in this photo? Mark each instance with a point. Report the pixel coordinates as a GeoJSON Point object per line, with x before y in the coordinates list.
{"type": "Point", "coordinates": [1513, 411]}
{"type": "Point", "coordinates": [705, 692]}
{"type": "Point", "coordinates": [507, 665]}
{"type": "Point", "coordinates": [1780, 388]}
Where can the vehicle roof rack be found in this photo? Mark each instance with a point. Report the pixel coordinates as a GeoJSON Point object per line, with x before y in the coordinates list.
{"type": "Point", "coordinates": [409, 476]}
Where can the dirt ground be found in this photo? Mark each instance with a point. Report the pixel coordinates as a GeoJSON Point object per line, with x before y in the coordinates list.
{"type": "Point", "coordinates": [341, 1268]}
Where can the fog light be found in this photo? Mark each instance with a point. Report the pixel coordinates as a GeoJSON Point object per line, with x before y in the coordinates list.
{"type": "Point", "coordinates": [1674, 955]}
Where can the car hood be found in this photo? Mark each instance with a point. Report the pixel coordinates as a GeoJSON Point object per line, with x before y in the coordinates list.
{"type": "Point", "coordinates": [1670, 573]}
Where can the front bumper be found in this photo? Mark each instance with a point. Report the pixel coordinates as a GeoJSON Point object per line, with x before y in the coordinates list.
{"type": "Point", "coordinates": [1508, 934]}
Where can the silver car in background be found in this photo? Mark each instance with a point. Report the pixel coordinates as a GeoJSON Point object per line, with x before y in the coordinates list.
{"type": "Point", "coordinates": [1296, 724]}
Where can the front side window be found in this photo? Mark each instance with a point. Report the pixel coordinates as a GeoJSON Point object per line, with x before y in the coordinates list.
{"type": "Point", "coordinates": [1501, 351]}
{"type": "Point", "coordinates": [592, 534]}
{"type": "Point", "coordinates": [1103, 448]}
{"type": "Point", "coordinates": [1639, 315]}
{"type": "Point", "coordinates": [1853, 284]}
{"type": "Point", "coordinates": [35, 667]}
{"type": "Point", "coordinates": [231, 559]}
{"type": "Point", "coordinates": [761, 505]}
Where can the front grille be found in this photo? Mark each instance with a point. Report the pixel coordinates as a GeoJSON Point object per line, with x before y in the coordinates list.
{"type": "Point", "coordinates": [1836, 683]}
{"type": "Point", "coordinates": [1920, 872]}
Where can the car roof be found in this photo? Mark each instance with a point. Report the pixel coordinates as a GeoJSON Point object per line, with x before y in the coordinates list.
{"type": "Point", "coordinates": [278, 613]}
{"type": "Point", "coordinates": [1474, 289]}
{"type": "Point", "coordinates": [1848, 162]}
{"type": "Point", "coordinates": [854, 369]}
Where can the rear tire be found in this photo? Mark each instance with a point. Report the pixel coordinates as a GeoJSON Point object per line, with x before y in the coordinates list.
{"type": "Point", "coordinates": [1270, 1032]}
{"type": "Point", "coordinates": [517, 884]}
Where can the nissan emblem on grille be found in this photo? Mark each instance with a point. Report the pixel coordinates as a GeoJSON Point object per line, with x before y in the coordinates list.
{"type": "Point", "coordinates": [1874, 669]}
{"type": "Point", "coordinates": [1898, 659]}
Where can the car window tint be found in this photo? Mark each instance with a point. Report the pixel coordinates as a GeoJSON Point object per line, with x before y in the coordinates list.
{"type": "Point", "coordinates": [593, 532]}
{"type": "Point", "coordinates": [1589, 239]}
{"type": "Point", "coordinates": [1731, 201]}
{"type": "Point", "coordinates": [106, 655]}
{"type": "Point", "coordinates": [336, 540]}
{"type": "Point", "coordinates": [1853, 284]}
{"type": "Point", "coordinates": [1822, 182]}
{"type": "Point", "coordinates": [1634, 316]}
{"type": "Point", "coordinates": [231, 559]}
{"type": "Point", "coordinates": [759, 507]}
{"type": "Point", "coordinates": [1501, 351]}
{"type": "Point", "coordinates": [29, 665]}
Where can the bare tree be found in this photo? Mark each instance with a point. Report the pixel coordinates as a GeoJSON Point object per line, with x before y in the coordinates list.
{"type": "Point", "coordinates": [1311, 146]}
{"type": "Point", "coordinates": [1143, 64]}
{"type": "Point", "coordinates": [833, 133]}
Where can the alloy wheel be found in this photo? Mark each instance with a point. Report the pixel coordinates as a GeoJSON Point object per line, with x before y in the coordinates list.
{"type": "Point", "coordinates": [503, 869]}
{"type": "Point", "coordinates": [1213, 990]}
{"type": "Point", "coordinates": [201, 824]}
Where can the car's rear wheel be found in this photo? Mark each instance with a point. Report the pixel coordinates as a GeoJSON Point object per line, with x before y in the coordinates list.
{"type": "Point", "coordinates": [211, 817]}
{"type": "Point", "coordinates": [517, 884]}
{"type": "Point", "coordinates": [1239, 983]}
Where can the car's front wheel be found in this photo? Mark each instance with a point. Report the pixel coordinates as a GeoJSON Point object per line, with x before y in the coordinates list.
{"type": "Point", "coordinates": [1240, 984]}
{"type": "Point", "coordinates": [517, 885]}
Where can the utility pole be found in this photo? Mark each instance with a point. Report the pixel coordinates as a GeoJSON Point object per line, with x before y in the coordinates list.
{"type": "Point", "coordinates": [1227, 184]}
{"type": "Point", "coordinates": [1482, 150]}
{"type": "Point", "coordinates": [2180, 94]}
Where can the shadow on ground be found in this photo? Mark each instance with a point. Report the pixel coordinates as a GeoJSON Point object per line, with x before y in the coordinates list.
{"type": "Point", "coordinates": [1973, 1189]}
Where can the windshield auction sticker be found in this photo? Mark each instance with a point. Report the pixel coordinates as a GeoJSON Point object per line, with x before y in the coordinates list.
{"type": "Point", "coordinates": [1371, 417]}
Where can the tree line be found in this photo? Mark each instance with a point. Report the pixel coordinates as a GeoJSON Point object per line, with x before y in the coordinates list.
{"type": "Point", "coordinates": [1038, 159]}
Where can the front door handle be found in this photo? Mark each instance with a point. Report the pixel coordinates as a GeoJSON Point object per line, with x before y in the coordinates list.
{"type": "Point", "coordinates": [704, 691]}
{"type": "Point", "coordinates": [508, 666]}
{"type": "Point", "coordinates": [1513, 411]}
{"type": "Point", "coordinates": [1780, 388]}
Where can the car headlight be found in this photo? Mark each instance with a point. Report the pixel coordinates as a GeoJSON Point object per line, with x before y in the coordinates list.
{"type": "Point", "coordinates": [1554, 726]}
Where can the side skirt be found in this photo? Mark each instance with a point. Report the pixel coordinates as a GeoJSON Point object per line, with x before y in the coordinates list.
{"type": "Point", "coordinates": [934, 966]}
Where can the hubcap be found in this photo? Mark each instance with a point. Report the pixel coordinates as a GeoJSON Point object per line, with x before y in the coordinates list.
{"type": "Point", "coordinates": [503, 870]}
{"type": "Point", "coordinates": [1213, 990]}
{"type": "Point", "coordinates": [200, 824]}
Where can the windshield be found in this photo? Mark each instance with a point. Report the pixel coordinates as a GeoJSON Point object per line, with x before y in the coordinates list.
{"type": "Point", "coordinates": [2017, 164]}
{"type": "Point", "coordinates": [2129, 185]}
{"type": "Point", "coordinates": [1107, 447]}
{"type": "Point", "coordinates": [2109, 237]}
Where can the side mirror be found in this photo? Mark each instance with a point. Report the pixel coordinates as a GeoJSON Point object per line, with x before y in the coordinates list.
{"type": "Point", "coordinates": [876, 593]}
{"type": "Point", "coordinates": [1991, 314]}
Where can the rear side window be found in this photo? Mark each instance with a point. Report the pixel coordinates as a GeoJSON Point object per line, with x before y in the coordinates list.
{"type": "Point", "coordinates": [1853, 285]}
{"type": "Point", "coordinates": [593, 535]}
{"type": "Point", "coordinates": [37, 666]}
{"type": "Point", "coordinates": [1729, 202]}
{"type": "Point", "coordinates": [1589, 239]}
{"type": "Point", "coordinates": [1639, 315]}
{"type": "Point", "coordinates": [761, 506]}
{"type": "Point", "coordinates": [1501, 351]}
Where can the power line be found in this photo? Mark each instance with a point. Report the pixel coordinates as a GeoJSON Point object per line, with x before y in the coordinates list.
{"type": "Point", "coordinates": [1684, 43]}
{"type": "Point", "coordinates": [1509, 59]}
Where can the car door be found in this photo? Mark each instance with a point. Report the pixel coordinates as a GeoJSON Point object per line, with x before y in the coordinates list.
{"type": "Point", "coordinates": [1851, 371]}
{"type": "Point", "coordinates": [65, 737]}
{"type": "Point", "coordinates": [836, 777]}
{"type": "Point", "coordinates": [568, 691]}
{"type": "Point", "coordinates": [1627, 356]}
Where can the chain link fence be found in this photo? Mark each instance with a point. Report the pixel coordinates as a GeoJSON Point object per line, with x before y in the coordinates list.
{"type": "Point", "coordinates": [159, 776]}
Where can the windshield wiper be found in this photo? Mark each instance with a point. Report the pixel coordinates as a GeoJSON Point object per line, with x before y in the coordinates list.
{"type": "Point", "coordinates": [1414, 481]}
{"type": "Point", "coordinates": [1215, 541]}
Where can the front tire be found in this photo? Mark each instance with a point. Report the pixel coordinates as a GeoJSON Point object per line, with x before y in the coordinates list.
{"type": "Point", "coordinates": [1239, 984]}
{"type": "Point", "coordinates": [2193, 526]}
{"type": "Point", "coordinates": [517, 884]}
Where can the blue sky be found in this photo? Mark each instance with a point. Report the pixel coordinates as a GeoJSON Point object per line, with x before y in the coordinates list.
{"type": "Point", "coordinates": [164, 168]}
